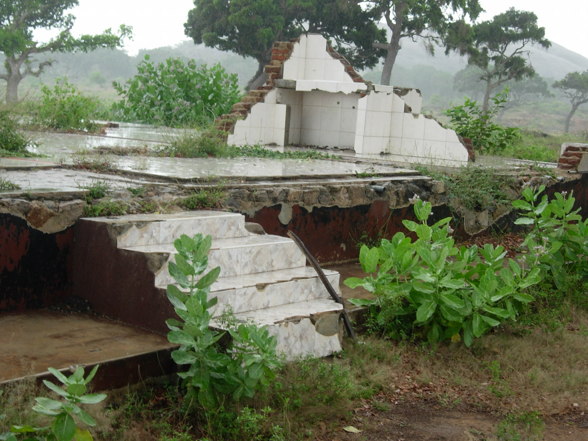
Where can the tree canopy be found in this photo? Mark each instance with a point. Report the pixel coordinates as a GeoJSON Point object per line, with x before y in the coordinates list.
{"type": "Point", "coordinates": [574, 86]}
{"type": "Point", "coordinates": [19, 19]}
{"type": "Point", "coordinates": [249, 27]}
{"type": "Point", "coordinates": [427, 19]}
{"type": "Point", "coordinates": [498, 47]}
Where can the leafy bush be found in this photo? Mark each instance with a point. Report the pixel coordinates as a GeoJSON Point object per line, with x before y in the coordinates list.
{"type": "Point", "coordinates": [11, 141]}
{"type": "Point", "coordinates": [65, 413]}
{"type": "Point", "coordinates": [177, 93]}
{"type": "Point", "coordinates": [470, 121]}
{"type": "Point", "coordinates": [63, 107]}
{"type": "Point", "coordinates": [213, 374]}
{"type": "Point", "coordinates": [558, 240]}
{"type": "Point", "coordinates": [431, 289]}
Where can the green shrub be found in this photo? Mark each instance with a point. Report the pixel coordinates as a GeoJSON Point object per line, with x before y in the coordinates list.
{"type": "Point", "coordinates": [63, 107]}
{"type": "Point", "coordinates": [470, 121]}
{"type": "Point", "coordinates": [65, 413]}
{"type": "Point", "coordinates": [557, 242]}
{"type": "Point", "coordinates": [7, 185]}
{"type": "Point", "coordinates": [11, 141]}
{"type": "Point", "coordinates": [214, 374]}
{"type": "Point", "coordinates": [429, 288]}
{"type": "Point", "coordinates": [176, 93]}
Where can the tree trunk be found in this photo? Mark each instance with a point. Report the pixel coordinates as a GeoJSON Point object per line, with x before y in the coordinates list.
{"type": "Point", "coordinates": [259, 78]}
{"type": "Point", "coordinates": [487, 92]}
{"type": "Point", "coordinates": [13, 78]}
{"type": "Point", "coordinates": [391, 54]}
{"type": "Point", "coordinates": [570, 116]}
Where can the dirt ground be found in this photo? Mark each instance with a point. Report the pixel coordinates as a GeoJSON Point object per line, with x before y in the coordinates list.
{"type": "Point", "coordinates": [426, 421]}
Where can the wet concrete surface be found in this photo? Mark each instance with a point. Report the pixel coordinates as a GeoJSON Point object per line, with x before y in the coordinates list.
{"type": "Point", "coordinates": [33, 341]}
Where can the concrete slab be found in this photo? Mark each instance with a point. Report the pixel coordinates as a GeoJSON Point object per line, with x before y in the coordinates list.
{"type": "Point", "coordinates": [33, 341]}
{"type": "Point", "coordinates": [199, 168]}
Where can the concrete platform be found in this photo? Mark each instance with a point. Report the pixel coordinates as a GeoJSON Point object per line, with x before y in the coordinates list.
{"type": "Point", "coordinates": [33, 341]}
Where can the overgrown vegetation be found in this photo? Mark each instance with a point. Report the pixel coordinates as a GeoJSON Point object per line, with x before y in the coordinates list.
{"type": "Point", "coordinates": [211, 143]}
{"type": "Point", "coordinates": [471, 121]}
{"type": "Point", "coordinates": [12, 143]}
{"type": "Point", "coordinates": [475, 188]}
{"type": "Point", "coordinates": [431, 289]}
{"type": "Point", "coordinates": [203, 198]}
{"type": "Point", "coordinates": [176, 93]}
{"type": "Point", "coordinates": [63, 107]}
{"type": "Point", "coordinates": [7, 185]}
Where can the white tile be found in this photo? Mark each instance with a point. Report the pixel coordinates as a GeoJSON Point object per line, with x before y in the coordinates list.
{"type": "Point", "coordinates": [411, 148]}
{"type": "Point", "coordinates": [314, 69]}
{"type": "Point", "coordinates": [397, 104]}
{"type": "Point", "coordinates": [311, 99]}
{"type": "Point", "coordinates": [360, 121]}
{"type": "Point", "coordinates": [434, 131]}
{"type": "Point", "coordinates": [311, 120]}
{"type": "Point", "coordinates": [293, 136]}
{"type": "Point", "coordinates": [382, 88]}
{"type": "Point", "coordinates": [451, 136]}
{"type": "Point", "coordinates": [328, 138]}
{"type": "Point", "coordinates": [358, 143]}
{"type": "Point", "coordinates": [346, 139]}
{"type": "Point", "coordinates": [413, 127]}
{"type": "Point", "coordinates": [455, 151]}
{"type": "Point", "coordinates": [396, 124]}
{"type": "Point", "coordinates": [348, 119]}
{"type": "Point", "coordinates": [377, 124]}
{"type": "Point", "coordinates": [291, 68]}
{"type": "Point", "coordinates": [310, 137]}
{"type": "Point", "coordinates": [379, 102]}
{"type": "Point", "coordinates": [316, 46]}
{"type": "Point", "coordinates": [331, 119]}
{"type": "Point", "coordinates": [299, 50]}
{"type": "Point", "coordinates": [394, 145]}
{"type": "Point", "coordinates": [374, 144]}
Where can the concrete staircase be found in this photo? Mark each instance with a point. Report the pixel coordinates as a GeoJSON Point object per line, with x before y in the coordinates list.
{"type": "Point", "coordinates": [264, 279]}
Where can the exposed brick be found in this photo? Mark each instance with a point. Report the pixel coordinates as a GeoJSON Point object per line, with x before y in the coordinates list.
{"type": "Point", "coordinates": [569, 154]}
{"type": "Point", "coordinates": [572, 148]}
{"type": "Point", "coordinates": [570, 161]}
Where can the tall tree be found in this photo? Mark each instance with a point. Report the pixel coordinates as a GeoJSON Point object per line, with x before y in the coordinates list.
{"type": "Point", "coordinates": [249, 27]}
{"type": "Point", "coordinates": [575, 86]}
{"type": "Point", "coordinates": [20, 18]}
{"type": "Point", "coordinates": [426, 19]}
{"type": "Point", "coordinates": [497, 47]}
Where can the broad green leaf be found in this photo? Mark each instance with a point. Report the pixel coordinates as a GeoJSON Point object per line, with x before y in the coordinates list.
{"type": "Point", "coordinates": [24, 429]}
{"type": "Point", "coordinates": [362, 302]}
{"type": "Point", "coordinates": [91, 375]}
{"type": "Point", "coordinates": [55, 388]}
{"type": "Point", "coordinates": [209, 278]}
{"type": "Point", "coordinates": [353, 282]}
{"type": "Point", "coordinates": [182, 357]}
{"type": "Point", "coordinates": [369, 258]}
{"type": "Point", "coordinates": [92, 398]}
{"type": "Point", "coordinates": [76, 389]}
{"type": "Point", "coordinates": [423, 287]}
{"type": "Point", "coordinates": [83, 435]}
{"type": "Point", "coordinates": [452, 300]}
{"type": "Point", "coordinates": [478, 327]}
{"type": "Point", "coordinates": [522, 297]}
{"type": "Point", "coordinates": [425, 311]}
{"type": "Point", "coordinates": [64, 427]}
{"type": "Point", "coordinates": [85, 417]}
{"type": "Point", "coordinates": [57, 374]}
{"type": "Point", "coordinates": [524, 221]}
{"type": "Point", "coordinates": [500, 312]}
{"type": "Point", "coordinates": [180, 338]}
{"type": "Point", "coordinates": [521, 205]}
{"type": "Point", "coordinates": [491, 321]}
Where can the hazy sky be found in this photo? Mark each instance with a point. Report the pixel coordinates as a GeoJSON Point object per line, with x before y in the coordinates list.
{"type": "Point", "coordinates": [161, 23]}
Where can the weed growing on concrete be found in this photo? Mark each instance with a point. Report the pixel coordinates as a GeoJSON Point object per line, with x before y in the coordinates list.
{"type": "Point", "coordinates": [475, 188]}
{"type": "Point", "coordinates": [214, 375]}
{"type": "Point", "coordinates": [7, 185]}
{"type": "Point", "coordinates": [65, 413]}
{"type": "Point", "coordinates": [203, 198]}
{"type": "Point", "coordinates": [94, 164]}
{"type": "Point", "coordinates": [97, 190]}
{"type": "Point", "coordinates": [12, 143]}
{"type": "Point", "coordinates": [106, 208]}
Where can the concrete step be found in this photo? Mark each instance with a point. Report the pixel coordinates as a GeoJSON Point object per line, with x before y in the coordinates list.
{"type": "Point", "coordinates": [253, 292]}
{"type": "Point", "coordinates": [302, 329]}
{"type": "Point", "coordinates": [237, 256]}
{"type": "Point", "coordinates": [152, 229]}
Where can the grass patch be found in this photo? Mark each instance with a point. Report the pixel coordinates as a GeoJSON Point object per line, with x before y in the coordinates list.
{"type": "Point", "coordinates": [7, 185]}
{"type": "Point", "coordinates": [539, 146]}
{"type": "Point", "coordinates": [475, 188]}
{"type": "Point", "coordinates": [106, 208]}
{"type": "Point", "coordinates": [211, 143]}
{"type": "Point", "coordinates": [97, 190]}
{"type": "Point", "coordinates": [203, 198]}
